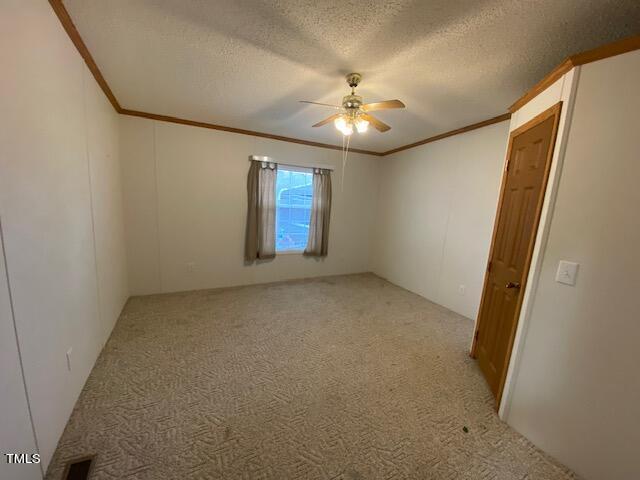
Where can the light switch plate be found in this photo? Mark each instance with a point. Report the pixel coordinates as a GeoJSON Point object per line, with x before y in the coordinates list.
{"type": "Point", "coordinates": [567, 272]}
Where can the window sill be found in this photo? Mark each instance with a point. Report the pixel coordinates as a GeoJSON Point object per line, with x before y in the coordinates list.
{"type": "Point", "coordinates": [289, 252]}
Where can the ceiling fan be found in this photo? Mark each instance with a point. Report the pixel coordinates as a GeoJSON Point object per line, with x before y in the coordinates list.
{"type": "Point", "coordinates": [354, 113]}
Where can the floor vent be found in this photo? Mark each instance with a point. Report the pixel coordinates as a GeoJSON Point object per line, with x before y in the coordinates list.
{"type": "Point", "coordinates": [79, 469]}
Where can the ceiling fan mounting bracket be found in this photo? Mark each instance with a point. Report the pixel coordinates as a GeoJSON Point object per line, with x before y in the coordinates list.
{"type": "Point", "coordinates": [353, 79]}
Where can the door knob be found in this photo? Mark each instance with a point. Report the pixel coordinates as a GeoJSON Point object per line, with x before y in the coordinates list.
{"type": "Point", "coordinates": [513, 285]}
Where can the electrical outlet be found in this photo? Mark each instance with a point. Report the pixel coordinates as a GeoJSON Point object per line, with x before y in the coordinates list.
{"type": "Point", "coordinates": [69, 358]}
{"type": "Point", "coordinates": [191, 267]}
{"type": "Point", "coordinates": [462, 289]}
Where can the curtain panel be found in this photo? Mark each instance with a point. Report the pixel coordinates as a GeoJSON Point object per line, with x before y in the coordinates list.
{"type": "Point", "coordinates": [260, 240]}
{"type": "Point", "coordinates": [318, 242]}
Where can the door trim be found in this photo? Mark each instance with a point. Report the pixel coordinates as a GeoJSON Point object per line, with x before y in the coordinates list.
{"type": "Point", "coordinates": [553, 111]}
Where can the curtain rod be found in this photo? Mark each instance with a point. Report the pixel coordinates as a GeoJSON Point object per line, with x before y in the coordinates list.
{"type": "Point", "coordinates": [264, 158]}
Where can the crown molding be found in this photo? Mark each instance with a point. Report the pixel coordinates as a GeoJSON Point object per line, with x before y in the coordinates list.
{"type": "Point", "coordinates": [625, 45]}
{"type": "Point", "coordinates": [211, 126]}
{"type": "Point", "coordinates": [76, 39]}
{"type": "Point", "coordinates": [68, 25]}
{"type": "Point", "coordinates": [457, 131]}
{"type": "Point", "coordinates": [609, 50]}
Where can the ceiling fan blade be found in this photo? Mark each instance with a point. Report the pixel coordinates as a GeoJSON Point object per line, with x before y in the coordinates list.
{"type": "Point", "coordinates": [321, 104]}
{"type": "Point", "coordinates": [377, 124]}
{"type": "Point", "coordinates": [327, 120]}
{"type": "Point", "coordinates": [370, 107]}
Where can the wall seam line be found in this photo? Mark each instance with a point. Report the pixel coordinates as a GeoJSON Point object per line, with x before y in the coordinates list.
{"type": "Point", "coordinates": [15, 332]}
{"type": "Point", "coordinates": [93, 221]}
{"type": "Point", "coordinates": [157, 202]}
{"type": "Point", "coordinates": [446, 228]}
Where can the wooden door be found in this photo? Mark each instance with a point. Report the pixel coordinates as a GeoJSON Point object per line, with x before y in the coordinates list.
{"type": "Point", "coordinates": [524, 183]}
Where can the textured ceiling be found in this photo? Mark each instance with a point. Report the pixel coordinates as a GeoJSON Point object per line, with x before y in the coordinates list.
{"type": "Point", "coordinates": [246, 63]}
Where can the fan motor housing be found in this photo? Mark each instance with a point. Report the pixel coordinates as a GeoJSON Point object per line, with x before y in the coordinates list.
{"type": "Point", "coordinates": [352, 101]}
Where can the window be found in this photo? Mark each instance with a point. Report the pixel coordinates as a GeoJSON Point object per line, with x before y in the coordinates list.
{"type": "Point", "coordinates": [294, 192]}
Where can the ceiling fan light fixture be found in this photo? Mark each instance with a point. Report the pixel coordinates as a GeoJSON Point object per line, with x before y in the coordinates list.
{"type": "Point", "coordinates": [362, 125]}
{"type": "Point", "coordinates": [354, 114]}
{"type": "Point", "coordinates": [345, 127]}
{"type": "Point", "coordinates": [347, 130]}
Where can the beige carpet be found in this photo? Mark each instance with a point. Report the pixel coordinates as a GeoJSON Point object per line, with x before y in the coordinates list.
{"type": "Point", "coordinates": [346, 377]}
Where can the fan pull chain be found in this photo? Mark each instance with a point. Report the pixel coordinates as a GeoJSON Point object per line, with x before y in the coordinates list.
{"type": "Point", "coordinates": [345, 151]}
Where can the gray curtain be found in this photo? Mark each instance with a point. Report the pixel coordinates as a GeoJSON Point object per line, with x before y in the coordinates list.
{"type": "Point", "coordinates": [260, 241]}
{"type": "Point", "coordinates": [318, 242]}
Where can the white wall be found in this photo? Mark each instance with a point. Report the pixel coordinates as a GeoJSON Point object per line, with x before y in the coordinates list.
{"type": "Point", "coordinates": [186, 201]}
{"type": "Point", "coordinates": [576, 392]}
{"type": "Point", "coordinates": [61, 211]}
{"type": "Point", "coordinates": [437, 206]}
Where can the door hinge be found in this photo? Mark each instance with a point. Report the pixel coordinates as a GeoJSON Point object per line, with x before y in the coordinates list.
{"type": "Point", "coordinates": [477, 335]}
{"type": "Point", "coordinates": [508, 165]}
{"type": "Point", "coordinates": [489, 267]}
